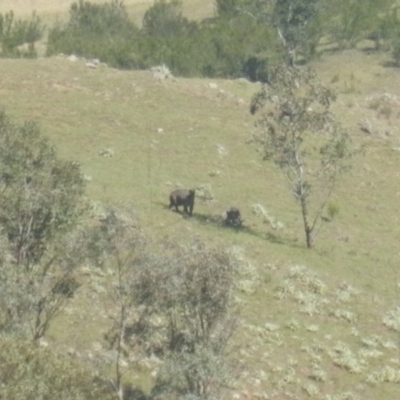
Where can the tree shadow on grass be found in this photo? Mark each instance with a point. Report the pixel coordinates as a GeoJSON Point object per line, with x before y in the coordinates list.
{"type": "Point", "coordinates": [219, 222]}
{"type": "Point", "coordinates": [390, 64]}
{"type": "Point", "coordinates": [132, 393]}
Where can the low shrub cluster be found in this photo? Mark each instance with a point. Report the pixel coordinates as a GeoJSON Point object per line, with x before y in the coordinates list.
{"type": "Point", "coordinates": [219, 47]}
{"type": "Point", "coordinates": [18, 37]}
{"type": "Point", "coordinates": [243, 39]}
{"type": "Point", "coordinates": [31, 372]}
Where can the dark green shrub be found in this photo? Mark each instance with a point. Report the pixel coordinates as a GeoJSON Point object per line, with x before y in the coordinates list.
{"type": "Point", "coordinates": [102, 31]}
{"type": "Point", "coordinates": [227, 8]}
{"type": "Point", "coordinates": [165, 19]}
{"type": "Point", "coordinates": [15, 33]}
{"type": "Point", "coordinates": [220, 47]}
{"type": "Point", "coordinates": [396, 52]}
{"type": "Point", "coordinates": [347, 22]}
{"type": "Point", "coordinates": [234, 42]}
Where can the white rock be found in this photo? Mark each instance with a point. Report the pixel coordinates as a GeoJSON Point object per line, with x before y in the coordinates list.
{"type": "Point", "coordinates": [91, 65]}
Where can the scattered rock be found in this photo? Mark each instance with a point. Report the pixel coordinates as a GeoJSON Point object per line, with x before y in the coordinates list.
{"type": "Point", "coordinates": [215, 172]}
{"type": "Point", "coordinates": [73, 58]}
{"type": "Point", "coordinates": [261, 212]}
{"type": "Point", "coordinates": [91, 65]}
{"type": "Point", "coordinates": [161, 72]}
{"type": "Point", "coordinates": [221, 150]}
{"type": "Point", "coordinates": [205, 193]}
{"type": "Point", "coordinates": [366, 126]}
{"type": "Point", "coordinates": [213, 85]}
{"type": "Point", "coordinates": [242, 80]}
{"type": "Point", "coordinates": [71, 351]}
{"type": "Point", "coordinates": [106, 153]}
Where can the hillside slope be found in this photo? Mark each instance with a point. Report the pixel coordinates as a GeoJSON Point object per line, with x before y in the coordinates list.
{"type": "Point", "coordinates": [321, 324]}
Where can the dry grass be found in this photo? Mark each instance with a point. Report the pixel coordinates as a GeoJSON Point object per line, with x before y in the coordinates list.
{"type": "Point", "coordinates": [52, 10]}
{"type": "Point", "coordinates": [320, 324]}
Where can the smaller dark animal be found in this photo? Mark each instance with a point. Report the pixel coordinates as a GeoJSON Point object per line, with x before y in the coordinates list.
{"type": "Point", "coordinates": [233, 217]}
{"type": "Point", "coordinates": [182, 197]}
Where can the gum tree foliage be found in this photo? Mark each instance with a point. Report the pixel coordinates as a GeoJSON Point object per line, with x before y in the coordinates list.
{"type": "Point", "coordinates": [350, 21]}
{"type": "Point", "coordinates": [32, 372]}
{"type": "Point", "coordinates": [172, 301]}
{"type": "Point", "coordinates": [296, 22]}
{"type": "Point", "coordinates": [116, 244]}
{"type": "Point", "coordinates": [300, 135]}
{"type": "Point", "coordinates": [192, 287]}
{"type": "Point", "coordinates": [41, 204]}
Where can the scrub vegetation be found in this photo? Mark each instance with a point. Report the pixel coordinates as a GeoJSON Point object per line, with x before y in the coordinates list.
{"type": "Point", "coordinates": [286, 110]}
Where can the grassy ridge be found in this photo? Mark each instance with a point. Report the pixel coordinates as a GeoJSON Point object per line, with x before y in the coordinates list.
{"type": "Point", "coordinates": [312, 332]}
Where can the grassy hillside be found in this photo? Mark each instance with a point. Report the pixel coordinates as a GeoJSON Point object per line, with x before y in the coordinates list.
{"type": "Point", "coordinates": [319, 324]}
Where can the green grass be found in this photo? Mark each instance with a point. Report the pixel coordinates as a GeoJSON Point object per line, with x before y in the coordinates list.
{"type": "Point", "coordinates": [314, 332]}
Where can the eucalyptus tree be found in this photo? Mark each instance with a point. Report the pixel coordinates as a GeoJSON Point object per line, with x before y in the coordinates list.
{"type": "Point", "coordinates": [301, 136]}
{"type": "Point", "coordinates": [41, 205]}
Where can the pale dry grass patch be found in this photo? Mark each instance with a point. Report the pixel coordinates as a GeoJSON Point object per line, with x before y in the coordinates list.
{"type": "Point", "coordinates": [370, 353]}
{"type": "Point", "coordinates": [317, 373]}
{"type": "Point", "coordinates": [345, 315]}
{"type": "Point", "coordinates": [292, 324]}
{"type": "Point", "coordinates": [376, 341]}
{"type": "Point", "coordinates": [346, 292]}
{"type": "Point", "coordinates": [310, 303]}
{"type": "Point", "coordinates": [301, 274]}
{"type": "Point", "coordinates": [342, 396]}
{"type": "Point", "coordinates": [344, 357]}
{"type": "Point", "coordinates": [249, 276]}
{"type": "Point", "coordinates": [284, 377]}
{"type": "Point", "coordinates": [311, 389]}
{"type": "Point", "coordinates": [385, 374]}
{"type": "Point", "coordinates": [305, 288]}
{"type": "Point", "coordinates": [391, 319]}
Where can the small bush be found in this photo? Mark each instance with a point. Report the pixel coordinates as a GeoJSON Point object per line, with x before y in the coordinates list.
{"type": "Point", "coordinates": [16, 33]}
{"type": "Point", "coordinates": [31, 372]}
{"type": "Point", "coordinates": [165, 19]}
{"type": "Point", "coordinates": [333, 210]}
{"type": "Point", "coordinates": [102, 31]}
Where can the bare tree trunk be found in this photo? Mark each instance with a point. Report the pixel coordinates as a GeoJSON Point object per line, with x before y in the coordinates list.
{"type": "Point", "coordinates": [307, 228]}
